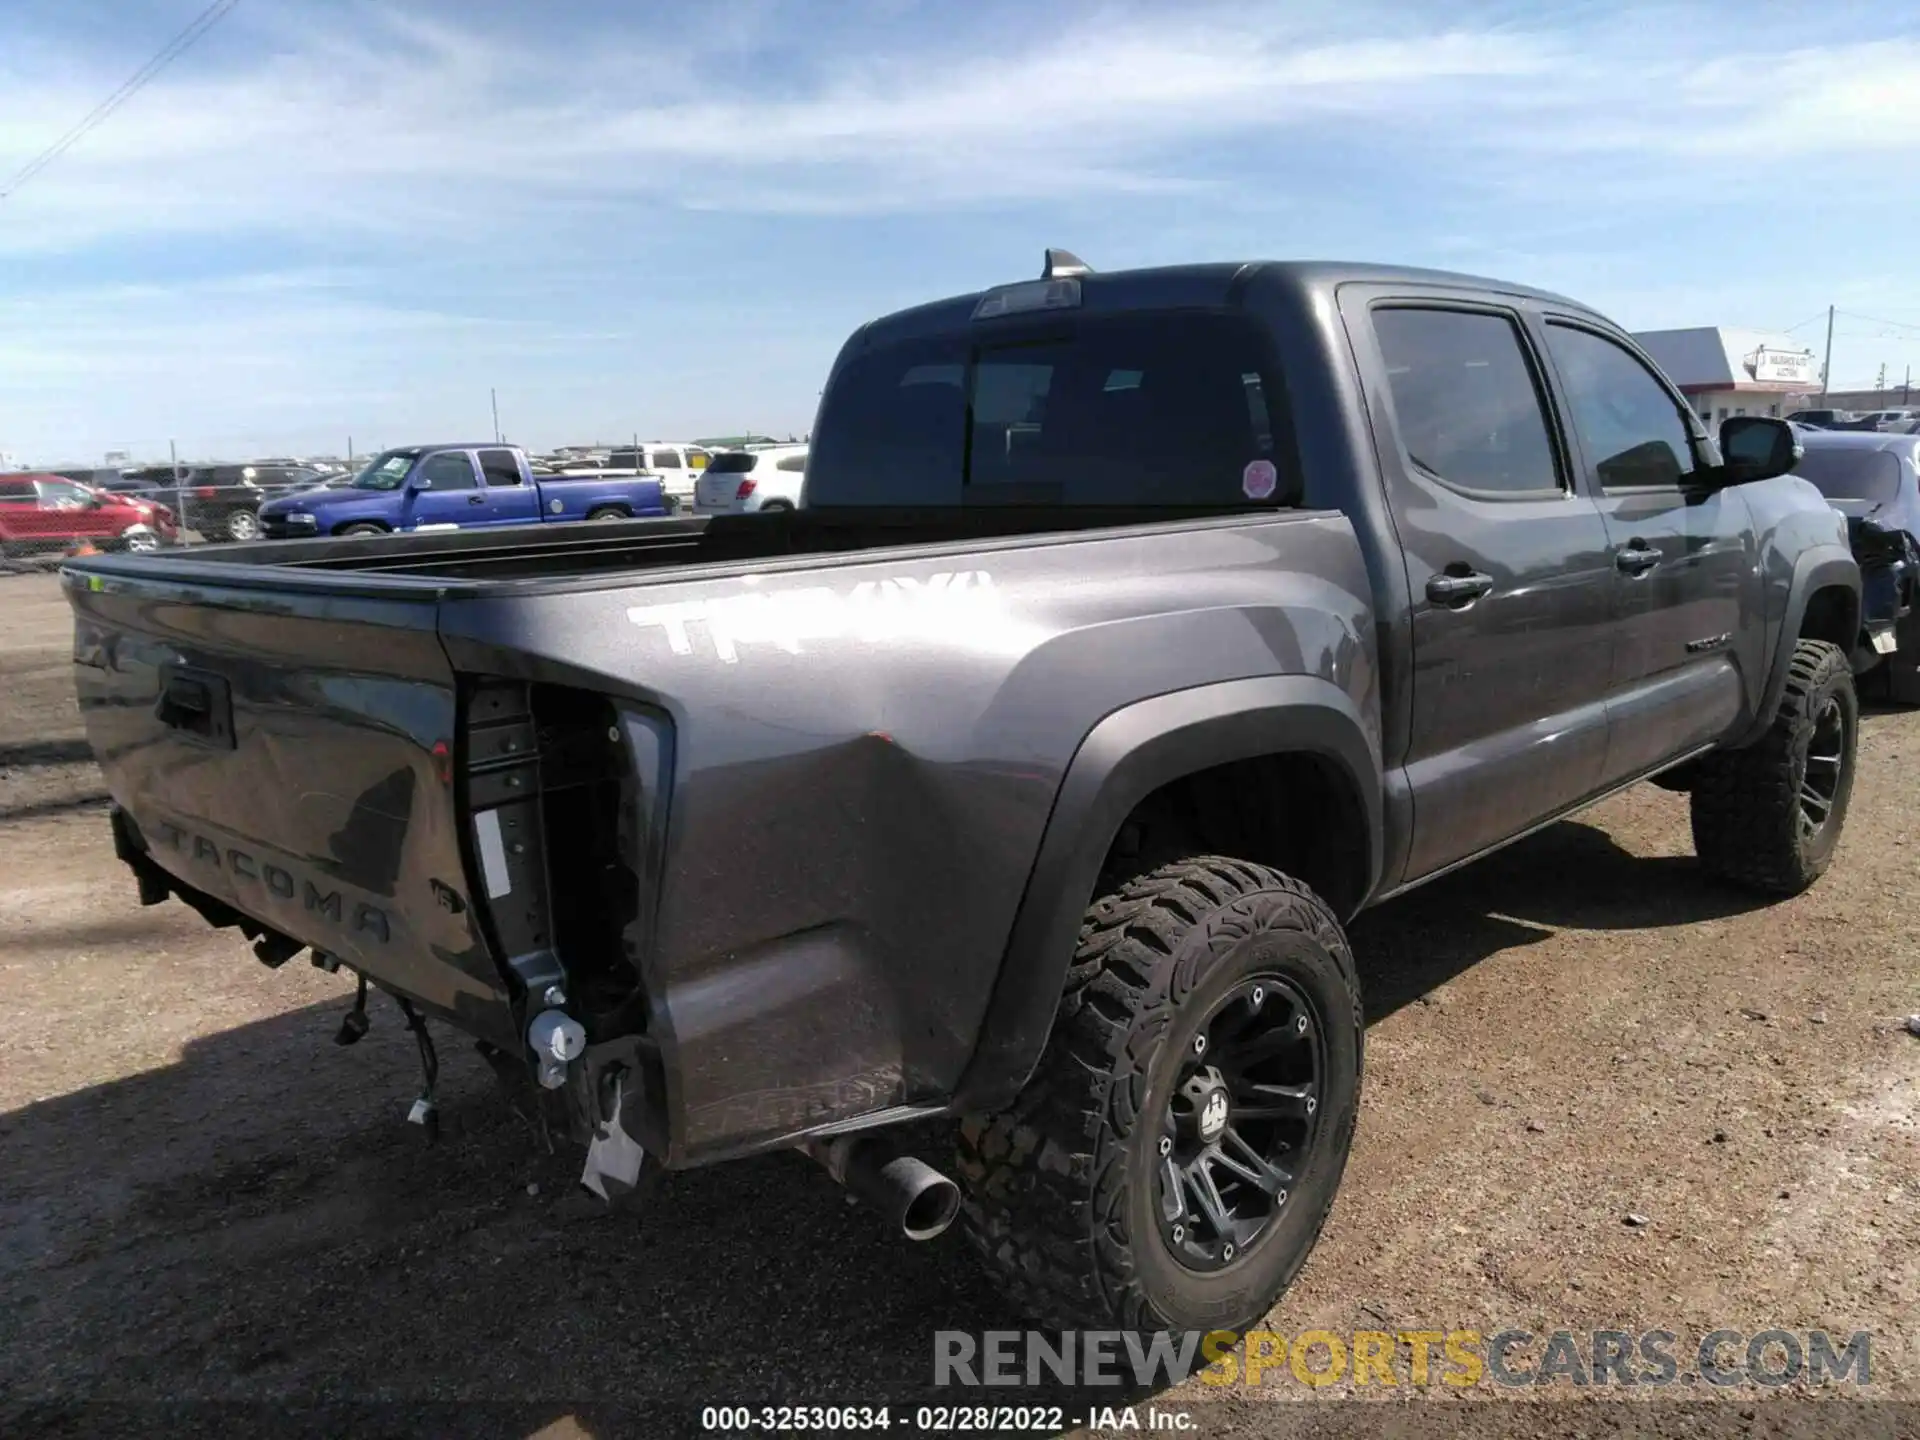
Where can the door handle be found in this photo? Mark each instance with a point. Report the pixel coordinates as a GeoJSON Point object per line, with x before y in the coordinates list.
{"type": "Point", "coordinates": [476, 499]}
{"type": "Point", "coordinates": [1458, 587]}
{"type": "Point", "coordinates": [1636, 557]}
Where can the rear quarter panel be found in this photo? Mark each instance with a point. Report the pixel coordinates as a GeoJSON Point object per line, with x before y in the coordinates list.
{"type": "Point", "coordinates": [865, 760]}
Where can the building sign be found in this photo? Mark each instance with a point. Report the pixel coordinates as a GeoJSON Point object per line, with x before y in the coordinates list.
{"type": "Point", "coordinates": [1782, 367]}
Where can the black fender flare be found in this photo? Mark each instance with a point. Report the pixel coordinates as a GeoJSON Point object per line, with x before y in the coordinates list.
{"type": "Point", "coordinates": [1122, 760]}
{"type": "Point", "coordinates": [1818, 567]}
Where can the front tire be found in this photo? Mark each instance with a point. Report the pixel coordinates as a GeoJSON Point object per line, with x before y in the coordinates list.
{"type": "Point", "coordinates": [1207, 977]}
{"type": "Point", "coordinates": [242, 525]}
{"type": "Point", "coordinates": [1768, 817]}
{"type": "Point", "coordinates": [607, 512]}
{"type": "Point", "coordinates": [363, 527]}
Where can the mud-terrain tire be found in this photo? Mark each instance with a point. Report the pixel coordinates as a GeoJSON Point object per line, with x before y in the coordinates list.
{"type": "Point", "coordinates": [1062, 1191]}
{"type": "Point", "coordinates": [1767, 817]}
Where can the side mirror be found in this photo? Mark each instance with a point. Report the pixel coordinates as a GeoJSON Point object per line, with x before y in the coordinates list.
{"type": "Point", "coordinates": [1756, 447]}
{"type": "Point", "coordinates": [420, 482]}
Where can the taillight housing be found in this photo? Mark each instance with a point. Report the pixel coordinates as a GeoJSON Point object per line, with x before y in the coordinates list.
{"type": "Point", "coordinates": [206, 492]}
{"type": "Point", "coordinates": [746, 489]}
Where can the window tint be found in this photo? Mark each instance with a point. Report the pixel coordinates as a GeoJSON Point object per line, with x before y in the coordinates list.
{"type": "Point", "coordinates": [734, 462]}
{"type": "Point", "coordinates": [14, 491]}
{"type": "Point", "coordinates": [794, 464]}
{"type": "Point", "coordinates": [1465, 399]}
{"type": "Point", "coordinates": [1137, 409]}
{"type": "Point", "coordinates": [499, 467]}
{"type": "Point", "coordinates": [1628, 423]}
{"type": "Point", "coordinates": [449, 470]}
{"type": "Point", "coordinates": [666, 460]}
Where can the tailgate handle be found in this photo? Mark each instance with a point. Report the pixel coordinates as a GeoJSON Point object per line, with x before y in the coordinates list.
{"type": "Point", "coordinates": [198, 705]}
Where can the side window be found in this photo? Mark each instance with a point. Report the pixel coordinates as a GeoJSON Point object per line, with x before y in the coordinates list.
{"type": "Point", "coordinates": [1629, 424]}
{"type": "Point", "coordinates": [449, 470]}
{"type": "Point", "coordinates": [1465, 400]}
{"type": "Point", "coordinates": [498, 467]}
{"type": "Point", "coordinates": [666, 460]}
{"type": "Point", "coordinates": [17, 492]}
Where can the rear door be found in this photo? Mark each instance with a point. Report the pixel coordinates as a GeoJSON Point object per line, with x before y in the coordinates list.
{"type": "Point", "coordinates": [511, 497]}
{"type": "Point", "coordinates": [1508, 567]}
{"type": "Point", "coordinates": [20, 516]}
{"type": "Point", "coordinates": [75, 513]}
{"type": "Point", "coordinates": [1688, 636]}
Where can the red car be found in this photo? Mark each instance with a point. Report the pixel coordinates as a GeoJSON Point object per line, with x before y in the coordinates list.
{"type": "Point", "coordinates": [41, 513]}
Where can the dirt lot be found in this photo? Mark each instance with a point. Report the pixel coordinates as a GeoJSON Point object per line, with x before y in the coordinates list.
{"type": "Point", "coordinates": [210, 1217]}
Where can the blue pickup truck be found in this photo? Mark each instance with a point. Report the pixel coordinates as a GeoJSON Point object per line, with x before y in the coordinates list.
{"type": "Point", "coordinates": [455, 487]}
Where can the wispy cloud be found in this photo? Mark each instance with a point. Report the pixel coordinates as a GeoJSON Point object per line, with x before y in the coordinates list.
{"type": "Point", "coordinates": [392, 203]}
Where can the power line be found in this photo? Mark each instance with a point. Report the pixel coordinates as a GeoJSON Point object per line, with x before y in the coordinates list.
{"type": "Point", "coordinates": [1810, 320]}
{"type": "Point", "coordinates": [1876, 320]}
{"type": "Point", "coordinates": [94, 118]}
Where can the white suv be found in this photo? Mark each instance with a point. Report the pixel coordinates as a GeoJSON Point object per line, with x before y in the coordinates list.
{"type": "Point", "coordinates": [738, 482]}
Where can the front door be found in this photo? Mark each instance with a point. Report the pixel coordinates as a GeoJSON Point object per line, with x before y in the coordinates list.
{"type": "Point", "coordinates": [75, 513]}
{"type": "Point", "coordinates": [1507, 566]}
{"type": "Point", "coordinates": [452, 498]}
{"type": "Point", "coordinates": [1688, 647]}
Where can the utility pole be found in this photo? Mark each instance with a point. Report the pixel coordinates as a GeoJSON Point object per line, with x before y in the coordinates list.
{"type": "Point", "coordinates": [494, 395]}
{"type": "Point", "coordinates": [1880, 380]}
{"type": "Point", "coordinates": [1906, 385]}
{"type": "Point", "coordinates": [349, 450]}
{"type": "Point", "coordinates": [1826, 370]}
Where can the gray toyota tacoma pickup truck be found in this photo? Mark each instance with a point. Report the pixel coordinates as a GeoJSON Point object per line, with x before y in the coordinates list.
{"type": "Point", "coordinates": [1141, 628]}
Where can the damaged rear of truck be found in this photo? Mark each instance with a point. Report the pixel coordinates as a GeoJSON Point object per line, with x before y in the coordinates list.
{"type": "Point", "coordinates": [730, 858]}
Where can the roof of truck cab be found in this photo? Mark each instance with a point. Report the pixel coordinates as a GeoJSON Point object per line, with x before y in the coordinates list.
{"type": "Point", "coordinates": [1176, 286]}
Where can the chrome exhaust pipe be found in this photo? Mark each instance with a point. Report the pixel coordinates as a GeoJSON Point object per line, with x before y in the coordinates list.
{"type": "Point", "coordinates": [904, 1188]}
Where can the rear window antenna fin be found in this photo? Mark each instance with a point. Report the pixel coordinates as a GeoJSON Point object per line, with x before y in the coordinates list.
{"type": "Point", "coordinates": [1063, 265]}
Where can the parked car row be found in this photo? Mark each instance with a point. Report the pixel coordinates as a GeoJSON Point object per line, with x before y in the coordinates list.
{"type": "Point", "coordinates": [1905, 422]}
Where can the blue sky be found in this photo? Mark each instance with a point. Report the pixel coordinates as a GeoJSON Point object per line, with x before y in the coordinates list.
{"type": "Point", "coordinates": [335, 219]}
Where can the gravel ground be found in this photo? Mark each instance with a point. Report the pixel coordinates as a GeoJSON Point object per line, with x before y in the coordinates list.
{"type": "Point", "coordinates": [211, 1218]}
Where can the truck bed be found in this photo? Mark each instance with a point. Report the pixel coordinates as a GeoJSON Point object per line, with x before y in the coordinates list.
{"type": "Point", "coordinates": [622, 551]}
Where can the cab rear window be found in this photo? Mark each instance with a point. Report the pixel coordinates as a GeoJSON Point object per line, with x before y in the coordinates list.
{"type": "Point", "coordinates": [737, 462]}
{"type": "Point", "coordinates": [1138, 409]}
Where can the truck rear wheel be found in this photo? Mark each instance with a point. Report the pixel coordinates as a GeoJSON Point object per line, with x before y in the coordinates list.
{"type": "Point", "coordinates": [1170, 1162]}
{"type": "Point", "coordinates": [1768, 817]}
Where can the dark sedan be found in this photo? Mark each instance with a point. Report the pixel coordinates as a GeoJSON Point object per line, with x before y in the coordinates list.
{"type": "Point", "coordinates": [1873, 478]}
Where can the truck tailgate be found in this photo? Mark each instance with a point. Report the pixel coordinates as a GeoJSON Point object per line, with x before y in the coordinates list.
{"type": "Point", "coordinates": [293, 759]}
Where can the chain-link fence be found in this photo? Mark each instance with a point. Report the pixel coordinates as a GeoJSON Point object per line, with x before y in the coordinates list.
{"type": "Point", "coordinates": [47, 516]}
